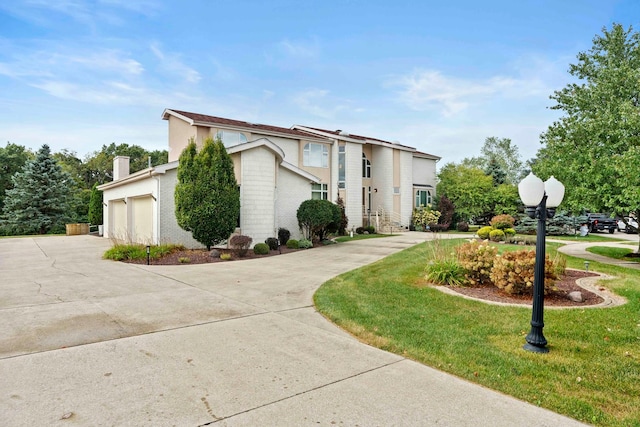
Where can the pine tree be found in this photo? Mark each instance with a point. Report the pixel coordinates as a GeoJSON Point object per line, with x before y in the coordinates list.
{"type": "Point", "coordinates": [207, 195]}
{"type": "Point", "coordinates": [39, 200]}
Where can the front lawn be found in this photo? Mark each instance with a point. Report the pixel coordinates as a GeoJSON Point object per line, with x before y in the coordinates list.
{"type": "Point", "coordinates": [592, 372]}
{"type": "Point", "coordinates": [359, 237]}
{"type": "Point", "coordinates": [612, 252]}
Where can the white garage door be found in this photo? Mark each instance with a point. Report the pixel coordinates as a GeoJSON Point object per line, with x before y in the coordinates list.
{"type": "Point", "coordinates": [119, 220]}
{"type": "Point", "coordinates": [143, 220]}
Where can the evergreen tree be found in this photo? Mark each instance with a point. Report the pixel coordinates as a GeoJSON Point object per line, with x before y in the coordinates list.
{"type": "Point", "coordinates": [207, 195]}
{"type": "Point", "coordinates": [39, 200]}
{"type": "Point", "coordinates": [95, 206]}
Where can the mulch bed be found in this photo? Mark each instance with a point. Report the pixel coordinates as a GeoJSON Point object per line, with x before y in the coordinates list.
{"type": "Point", "coordinates": [564, 285]}
{"type": "Point", "coordinates": [202, 256]}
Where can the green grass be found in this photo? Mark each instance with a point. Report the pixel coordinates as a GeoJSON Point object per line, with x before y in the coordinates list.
{"type": "Point", "coordinates": [122, 252]}
{"type": "Point", "coordinates": [359, 237]}
{"type": "Point", "coordinates": [592, 372]}
{"type": "Point", "coordinates": [588, 238]}
{"type": "Point", "coordinates": [616, 253]}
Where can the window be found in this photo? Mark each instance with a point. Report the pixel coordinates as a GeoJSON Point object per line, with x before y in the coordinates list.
{"type": "Point", "coordinates": [315, 155]}
{"type": "Point", "coordinates": [366, 167]}
{"type": "Point", "coordinates": [319, 192]}
{"type": "Point", "coordinates": [229, 138]}
{"type": "Point", "coordinates": [396, 190]}
{"type": "Point", "coordinates": [423, 198]}
{"type": "Point", "coordinates": [342, 164]}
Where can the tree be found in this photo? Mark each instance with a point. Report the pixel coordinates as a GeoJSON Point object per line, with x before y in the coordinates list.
{"type": "Point", "coordinates": [593, 149]}
{"type": "Point", "coordinates": [98, 167]}
{"type": "Point", "coordinates": [207, 197]}
{"type": "Point", "coordinates": [12, 159]}
{"type": "Point", "coordinates": [468, 188]}
{"type": "Point", "coordinates": [317, 216]}
{"type": "Point", "coordinates": [95, 206]}
{"type": "Point", "coordinates": [500, 159]}
{"type": "Point", "coordinates": [39, 200]}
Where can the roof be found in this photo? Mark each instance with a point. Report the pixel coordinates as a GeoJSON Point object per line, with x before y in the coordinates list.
{"type": "Point", "coordinates": [205, 120]}
{"type": "Point", "coordinates": [352, 137]}
{"type": "Point", "coordinates": [426, 155]}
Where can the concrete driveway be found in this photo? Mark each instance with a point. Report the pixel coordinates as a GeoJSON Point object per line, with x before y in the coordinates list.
{"type": "Point", "coordinates": [85, 341]}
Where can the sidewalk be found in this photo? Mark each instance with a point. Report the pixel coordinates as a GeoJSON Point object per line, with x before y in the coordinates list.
{"type": "Point", "coordinates": [91, 342]}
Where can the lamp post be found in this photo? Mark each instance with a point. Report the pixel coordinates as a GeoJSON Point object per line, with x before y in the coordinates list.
{"type": "Point", "coordinates": [540, 200]}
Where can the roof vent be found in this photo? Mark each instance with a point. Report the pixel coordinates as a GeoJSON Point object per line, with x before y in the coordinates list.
{"type": "Point", "coordinates": [342, 133]}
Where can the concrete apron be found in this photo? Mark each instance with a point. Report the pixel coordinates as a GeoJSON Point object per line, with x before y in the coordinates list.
{"type": "Point", "coordinates": [92, 342]}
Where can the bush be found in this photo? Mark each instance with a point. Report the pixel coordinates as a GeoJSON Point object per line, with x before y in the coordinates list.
{"type": "Point", "coordinates": [318, 217]}
{"type": "Point", "coordinates": [304, 244]}
{"type": "Point", "coordinates": [121, 252]}
{"type": "Point", "coordinates": [509, 232]}
{"type": "Point", "coordinates": [184, 260]}
{"type": "Point", "coordinates": [513, 272]}
{"type": "Point", "coordinates": [501, 222]}
{"type": "Point", "coordinates": [462, 226]}
{"type": "Point", "coordinates": [272, 242]}
{"type": "Point", "coordinates": [496, 236]}
{"type": "Point", "coordinates": [445, 272]}
{"type": "Point", "coordinates": [370, 229]}
{"type": "Point", "coordinates": [283, 235]}
{"type": "Point", "coordinates": [438, 227]}
{"type": "Point", "coordinates": [477, 260]}
{"type": "Point", "coordinates": [326, 242]}
{"type": "Point", "coordinates": [262, 248]}
{"type": "Point", "coordinates": [484, 232]}
{"type": "Point", "coordinates": [225, 257]}
{"type": "Point", "coordinates": [360, 230]}
{"type": "Point", "coordinates": [241, 244]}
{"type": "Point", "coordinates": [292, 244]}
{"type": "Point", "coordinates": [425, 216]}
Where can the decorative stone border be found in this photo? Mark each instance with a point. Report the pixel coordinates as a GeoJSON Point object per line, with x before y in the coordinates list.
{"type": "Point", "coordinates": [587, 283]}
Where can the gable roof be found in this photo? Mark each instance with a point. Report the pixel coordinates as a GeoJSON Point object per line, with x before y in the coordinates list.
{"type": "Point", "coordinates": [213, 121]}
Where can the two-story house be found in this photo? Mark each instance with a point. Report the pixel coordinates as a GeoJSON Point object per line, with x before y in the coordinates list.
{"type": "Point", "coordinates": [277, 169]}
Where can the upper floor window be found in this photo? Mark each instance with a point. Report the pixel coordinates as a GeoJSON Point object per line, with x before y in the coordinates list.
{"type": "Point", "coordinates": [231, 138]}
{"type": "Point", "coordinates": [315, 155]}
{"type": "Point", "coordinates": [342, 165]}
{"type": "Point", "coordinates": [423, 198]}
{"type": "Point", "coordinates": [366, 167]}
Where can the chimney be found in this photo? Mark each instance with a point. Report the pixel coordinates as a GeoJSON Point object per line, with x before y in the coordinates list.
{"type": "Point", "coordinates": [120, 167]}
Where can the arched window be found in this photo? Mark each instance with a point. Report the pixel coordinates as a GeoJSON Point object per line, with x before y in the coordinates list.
{"type": "Point", "coordinates": [230, 138]}
{"type": "Point", "coordinates": [366, 167]}
{"type": "Point", "coordinates": [315, 155]}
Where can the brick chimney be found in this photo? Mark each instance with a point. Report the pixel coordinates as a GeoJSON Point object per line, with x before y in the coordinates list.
{"type": "Point", "coordinates": [120, 167]}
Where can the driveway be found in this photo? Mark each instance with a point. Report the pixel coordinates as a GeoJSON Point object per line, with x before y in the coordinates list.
{"type": "Point", "coordinates": [85, 341]}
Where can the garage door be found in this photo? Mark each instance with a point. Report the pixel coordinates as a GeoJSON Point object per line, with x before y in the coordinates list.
{"type": "Point", "coordinates": [143, 220]}
{"type": "Point", "coordinates": [119, 220]}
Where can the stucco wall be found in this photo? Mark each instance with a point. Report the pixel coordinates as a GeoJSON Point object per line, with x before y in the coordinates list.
{"type": "Point", "coordinates": [424, 171]}
{"type": "Point", "coordinates": [406, 186]}
{"type": "Point", "coordinates": [179, 134]}
{"type": "Point", "coordinates": [382, 178]}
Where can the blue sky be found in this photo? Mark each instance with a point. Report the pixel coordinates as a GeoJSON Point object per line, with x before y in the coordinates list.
{"type": "Point", "coordinates": [439, 76]}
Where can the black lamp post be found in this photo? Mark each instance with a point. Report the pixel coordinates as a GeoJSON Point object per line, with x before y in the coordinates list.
{"type": "Point", "coordinates": [540, 200]}
{"type": "Point", "coordinates": [148, 253]}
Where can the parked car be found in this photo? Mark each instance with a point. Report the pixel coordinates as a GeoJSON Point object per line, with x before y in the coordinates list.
{"type": "Point", "coordinates": [631, 226]}
{"type": "Point", "coordinates": [601, 222]}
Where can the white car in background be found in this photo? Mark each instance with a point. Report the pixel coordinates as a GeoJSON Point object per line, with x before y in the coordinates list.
{"type": "Point", "coordinates": [631, 227]}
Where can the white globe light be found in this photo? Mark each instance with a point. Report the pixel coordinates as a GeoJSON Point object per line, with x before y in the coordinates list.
{"type": "Point", "coordinates": [555, 192]}
{"type": "Point", "coordinates": [531, 190]}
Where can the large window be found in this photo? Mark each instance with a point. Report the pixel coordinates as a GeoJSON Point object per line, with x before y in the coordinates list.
{"type": "Point", "coordinates": [230, 138]}
{"type": "Point", "coordinates": [342, 165]}
{"type": "Point", "coordinates": [315, 155]}
{"type": "Point", "coordinates": [366, 167]}
{"type": "Point", "coordinates": [319, 192]}
{"type": "Point", "coordinates": [423, 198]}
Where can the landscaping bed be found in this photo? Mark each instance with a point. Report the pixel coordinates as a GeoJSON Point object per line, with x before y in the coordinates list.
{"type": "Point", "coordinates": [559, 297]}
{"type": "Point", "coordinates": [202, 256]}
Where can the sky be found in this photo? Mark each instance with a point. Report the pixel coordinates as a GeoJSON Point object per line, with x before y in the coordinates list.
{"type": "Point", "coordinates": [441, 76]}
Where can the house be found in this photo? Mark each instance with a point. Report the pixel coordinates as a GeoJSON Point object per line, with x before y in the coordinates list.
{"type": "Point", "coordinates": [277, 169]}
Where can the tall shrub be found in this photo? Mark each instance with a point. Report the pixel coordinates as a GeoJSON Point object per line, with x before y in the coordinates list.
{"type": "Point", "coordinates": [207, 197]}
{"type": "Point", "coordinates": [477, 260]}
{"type": "Point", "coordinates": [95, 206]}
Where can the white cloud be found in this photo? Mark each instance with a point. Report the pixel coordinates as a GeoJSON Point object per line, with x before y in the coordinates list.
{"type": "Point", "coordinates": [171, 62]}
{"type": "Point", "coordinates": [430, 89]}
{"type": "Point", "coordinates": [317, 103]}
